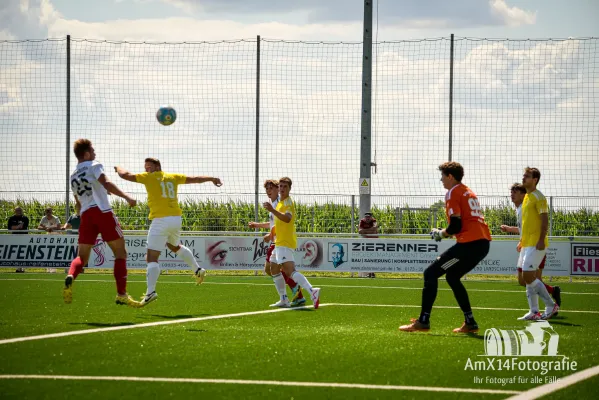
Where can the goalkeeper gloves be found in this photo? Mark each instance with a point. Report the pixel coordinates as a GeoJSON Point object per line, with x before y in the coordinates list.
{"type": "Point", "coordinates": [437, 234]}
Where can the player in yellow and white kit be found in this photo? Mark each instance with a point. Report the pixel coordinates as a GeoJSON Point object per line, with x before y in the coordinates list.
{"type": "Point", "coordinates": [534, 243]}
{"type": "Point", "coordinates": [285, 245]}
{"type": "Point", "coordinates": [165, 215]}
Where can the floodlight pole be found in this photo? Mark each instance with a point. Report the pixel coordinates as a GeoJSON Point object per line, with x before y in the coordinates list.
{"type": "Point", "coordinates": [366, 123]}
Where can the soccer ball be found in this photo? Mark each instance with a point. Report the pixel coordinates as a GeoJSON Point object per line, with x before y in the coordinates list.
{"type": "Point", "coordinates": [166, 115]}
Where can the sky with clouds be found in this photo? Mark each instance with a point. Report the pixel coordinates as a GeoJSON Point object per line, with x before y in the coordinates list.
{"type": "Point", "coordinates": [516, 102]}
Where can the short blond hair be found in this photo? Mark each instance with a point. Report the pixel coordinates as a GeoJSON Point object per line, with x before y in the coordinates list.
{"type": "Point", "coordinates": [270, 182]}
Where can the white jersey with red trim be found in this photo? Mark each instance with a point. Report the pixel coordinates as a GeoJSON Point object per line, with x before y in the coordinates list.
{"type": "Point", "coordinates": [87, 188]}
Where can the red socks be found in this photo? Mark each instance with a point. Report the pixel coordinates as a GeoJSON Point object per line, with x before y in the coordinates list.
{"type": "Point", "coordinates": [120, 275]}
{"type": "Point", "coordinates": [549, 288]}
{"type": "Point", "coordinates": [76, 267]}
{"type": "Point", "coordinates": [292, 284]}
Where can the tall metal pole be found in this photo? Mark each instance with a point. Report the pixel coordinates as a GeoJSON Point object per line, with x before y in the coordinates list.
{"type": "Point", "coordinates": [366, 125]}
{"type": "Point", "coordinates": [257, 161]}
{"type": "Point", "coordinates": [67, 211]}
{"type": "Point", "coordinates": [450, 98]}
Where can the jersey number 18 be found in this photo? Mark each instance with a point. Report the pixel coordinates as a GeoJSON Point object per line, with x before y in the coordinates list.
{"type": "Point", "coordinates": [168, 189]}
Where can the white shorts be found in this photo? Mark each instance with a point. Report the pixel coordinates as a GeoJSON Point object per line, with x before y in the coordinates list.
{"type": "Point", "coordinates": [282, 255]}
{"type": "Point", "coordinates": [530, 258]}
{"type": "Point", "coordinates": [162, 231]}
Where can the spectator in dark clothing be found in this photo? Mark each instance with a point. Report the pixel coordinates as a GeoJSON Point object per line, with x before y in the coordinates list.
{"type": "Point", "coordinates": [18, 222]}
{"type": "Point", "coordinates": [368, 228]}
{"type": "Point", "coordinates": [72, 224]}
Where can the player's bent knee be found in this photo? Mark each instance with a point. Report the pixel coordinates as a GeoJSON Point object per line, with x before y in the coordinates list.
{"type": "Point", "coordinates": [452, 279]}
{"type": "Point", "coordinates": [288, 268]}
{"type": "Point", "coordinates": [275, 269]}
{"type": "Point", "coordinates": [430, 274]}
{"type": "Point", "coordinates": [529, 277]}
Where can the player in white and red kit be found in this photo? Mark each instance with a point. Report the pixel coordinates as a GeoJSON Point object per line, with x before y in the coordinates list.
{"type": "Point", "coordinates": [272, 191]}
{"type": "Point", "coordinates": [91, 188]}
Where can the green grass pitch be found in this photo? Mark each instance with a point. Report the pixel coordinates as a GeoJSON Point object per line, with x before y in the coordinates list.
{"type": "Point", "coordinates": [352, 339]}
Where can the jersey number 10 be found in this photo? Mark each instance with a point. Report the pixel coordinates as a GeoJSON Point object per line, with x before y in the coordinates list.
{"type": "Point", "coordinates": [168, 189]}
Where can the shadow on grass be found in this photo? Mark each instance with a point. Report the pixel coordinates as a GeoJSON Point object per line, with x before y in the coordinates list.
{"type": "Point", "coordinates": [102, 324]}
{"type": "Point", "coordinates": [562, 323]}
{"type": "Point", "coordinates": [179, 316]}
{"type": "Point", "coordinates": [197, 330]}
{"type": "Point", "coordinates": [459, 335]}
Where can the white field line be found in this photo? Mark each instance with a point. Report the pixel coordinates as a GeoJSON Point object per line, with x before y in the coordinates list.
{"type": "Point", "coordinates": [145, 325]}
{"type": "Point", "coordinates": [164, 282]}
{"type": "Point", "coordinates": [260, 382]}
{"type": "Point", "coordinates": [562, 383]}
{"type": "Point", "coordinates": [185, 320]}
{"type": "Point", "coordinates": [450, 307]}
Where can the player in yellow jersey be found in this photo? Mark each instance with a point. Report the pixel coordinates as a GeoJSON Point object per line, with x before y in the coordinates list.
{"type": "Point", "coordinates": [534, 243]}
{"type": "Point", "coordinates": [165, 215]}
{"type": "Point", "coordinates": [285, 245]}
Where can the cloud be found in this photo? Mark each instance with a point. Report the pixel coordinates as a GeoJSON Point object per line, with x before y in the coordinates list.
{"type": "Point", "coordinates": [26, 19]}
{"type": "Point", "coordinates": [406, 14]}
{"type": "Point", "coordinates": [512, 16]}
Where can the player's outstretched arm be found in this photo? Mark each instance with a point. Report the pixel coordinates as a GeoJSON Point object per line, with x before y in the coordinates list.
{"type": "Point", "coordinates": [202, 179]}
{"type": "Point", "coordinates": [112, 188]}
{"type": "Point", "coordinates": [259, 225]}
{"type": "Point", "coordinates": [509, 229]}
{"type": "Point", "coordinates": [124, 174]}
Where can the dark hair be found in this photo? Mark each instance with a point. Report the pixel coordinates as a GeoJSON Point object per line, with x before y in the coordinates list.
{"type": "Point", "coordinates": [518, 187]}
{"type": "Point", "coordinates": [452, 168]}
{"type": "Point", "coordinates": [270, 182]}
{"type": "Point", "coordinates": [154, 161]}
{"type": "Point", "coordinates": [286, 180]}
{"type": "Point", "coordinates": [81, 146]}
{"type": "Point", "coordinates": [534, 172]}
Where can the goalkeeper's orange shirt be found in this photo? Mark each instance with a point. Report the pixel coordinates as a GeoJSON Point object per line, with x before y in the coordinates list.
{"type": "Point", "coordinates": [462, 201]}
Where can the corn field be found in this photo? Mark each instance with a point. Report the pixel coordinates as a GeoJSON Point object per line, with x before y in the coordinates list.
{"type": "Point", "coordinates": [233, 216]}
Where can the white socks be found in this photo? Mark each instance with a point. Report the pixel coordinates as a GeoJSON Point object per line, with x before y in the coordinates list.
{"type": "Point", "coordinates": [535, 290]}
{"type": "Point", "coordinates": [152, 274]}
{"type": "Point", "coordinates": [533, 298]}
{"type": "Point", "coordinates": [301, 280]}
{"type": "Point", "coordinates": [187, 256]}
{"type": "Point", "coordinates": [543, 294]}
{"type": "Point", "coordinates": [280, 285]}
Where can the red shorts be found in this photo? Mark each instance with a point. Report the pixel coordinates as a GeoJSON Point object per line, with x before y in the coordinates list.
{"type": "Point", "coordinates": [94, 221]}
{"type": "Point", "coordinates": [271, 248]}
{"type": "Point", "coordinates": [541, 266]}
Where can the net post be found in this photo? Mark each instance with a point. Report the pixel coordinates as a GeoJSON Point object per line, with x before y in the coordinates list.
{"type": "Point", "coordinates": [366, 126]}
{"type": "Point", "coordinates": [450, 97]}
{"type": "Point", "coordinates": [68, 130]}
{"type": "Point", "coordinates": [257, 162]}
